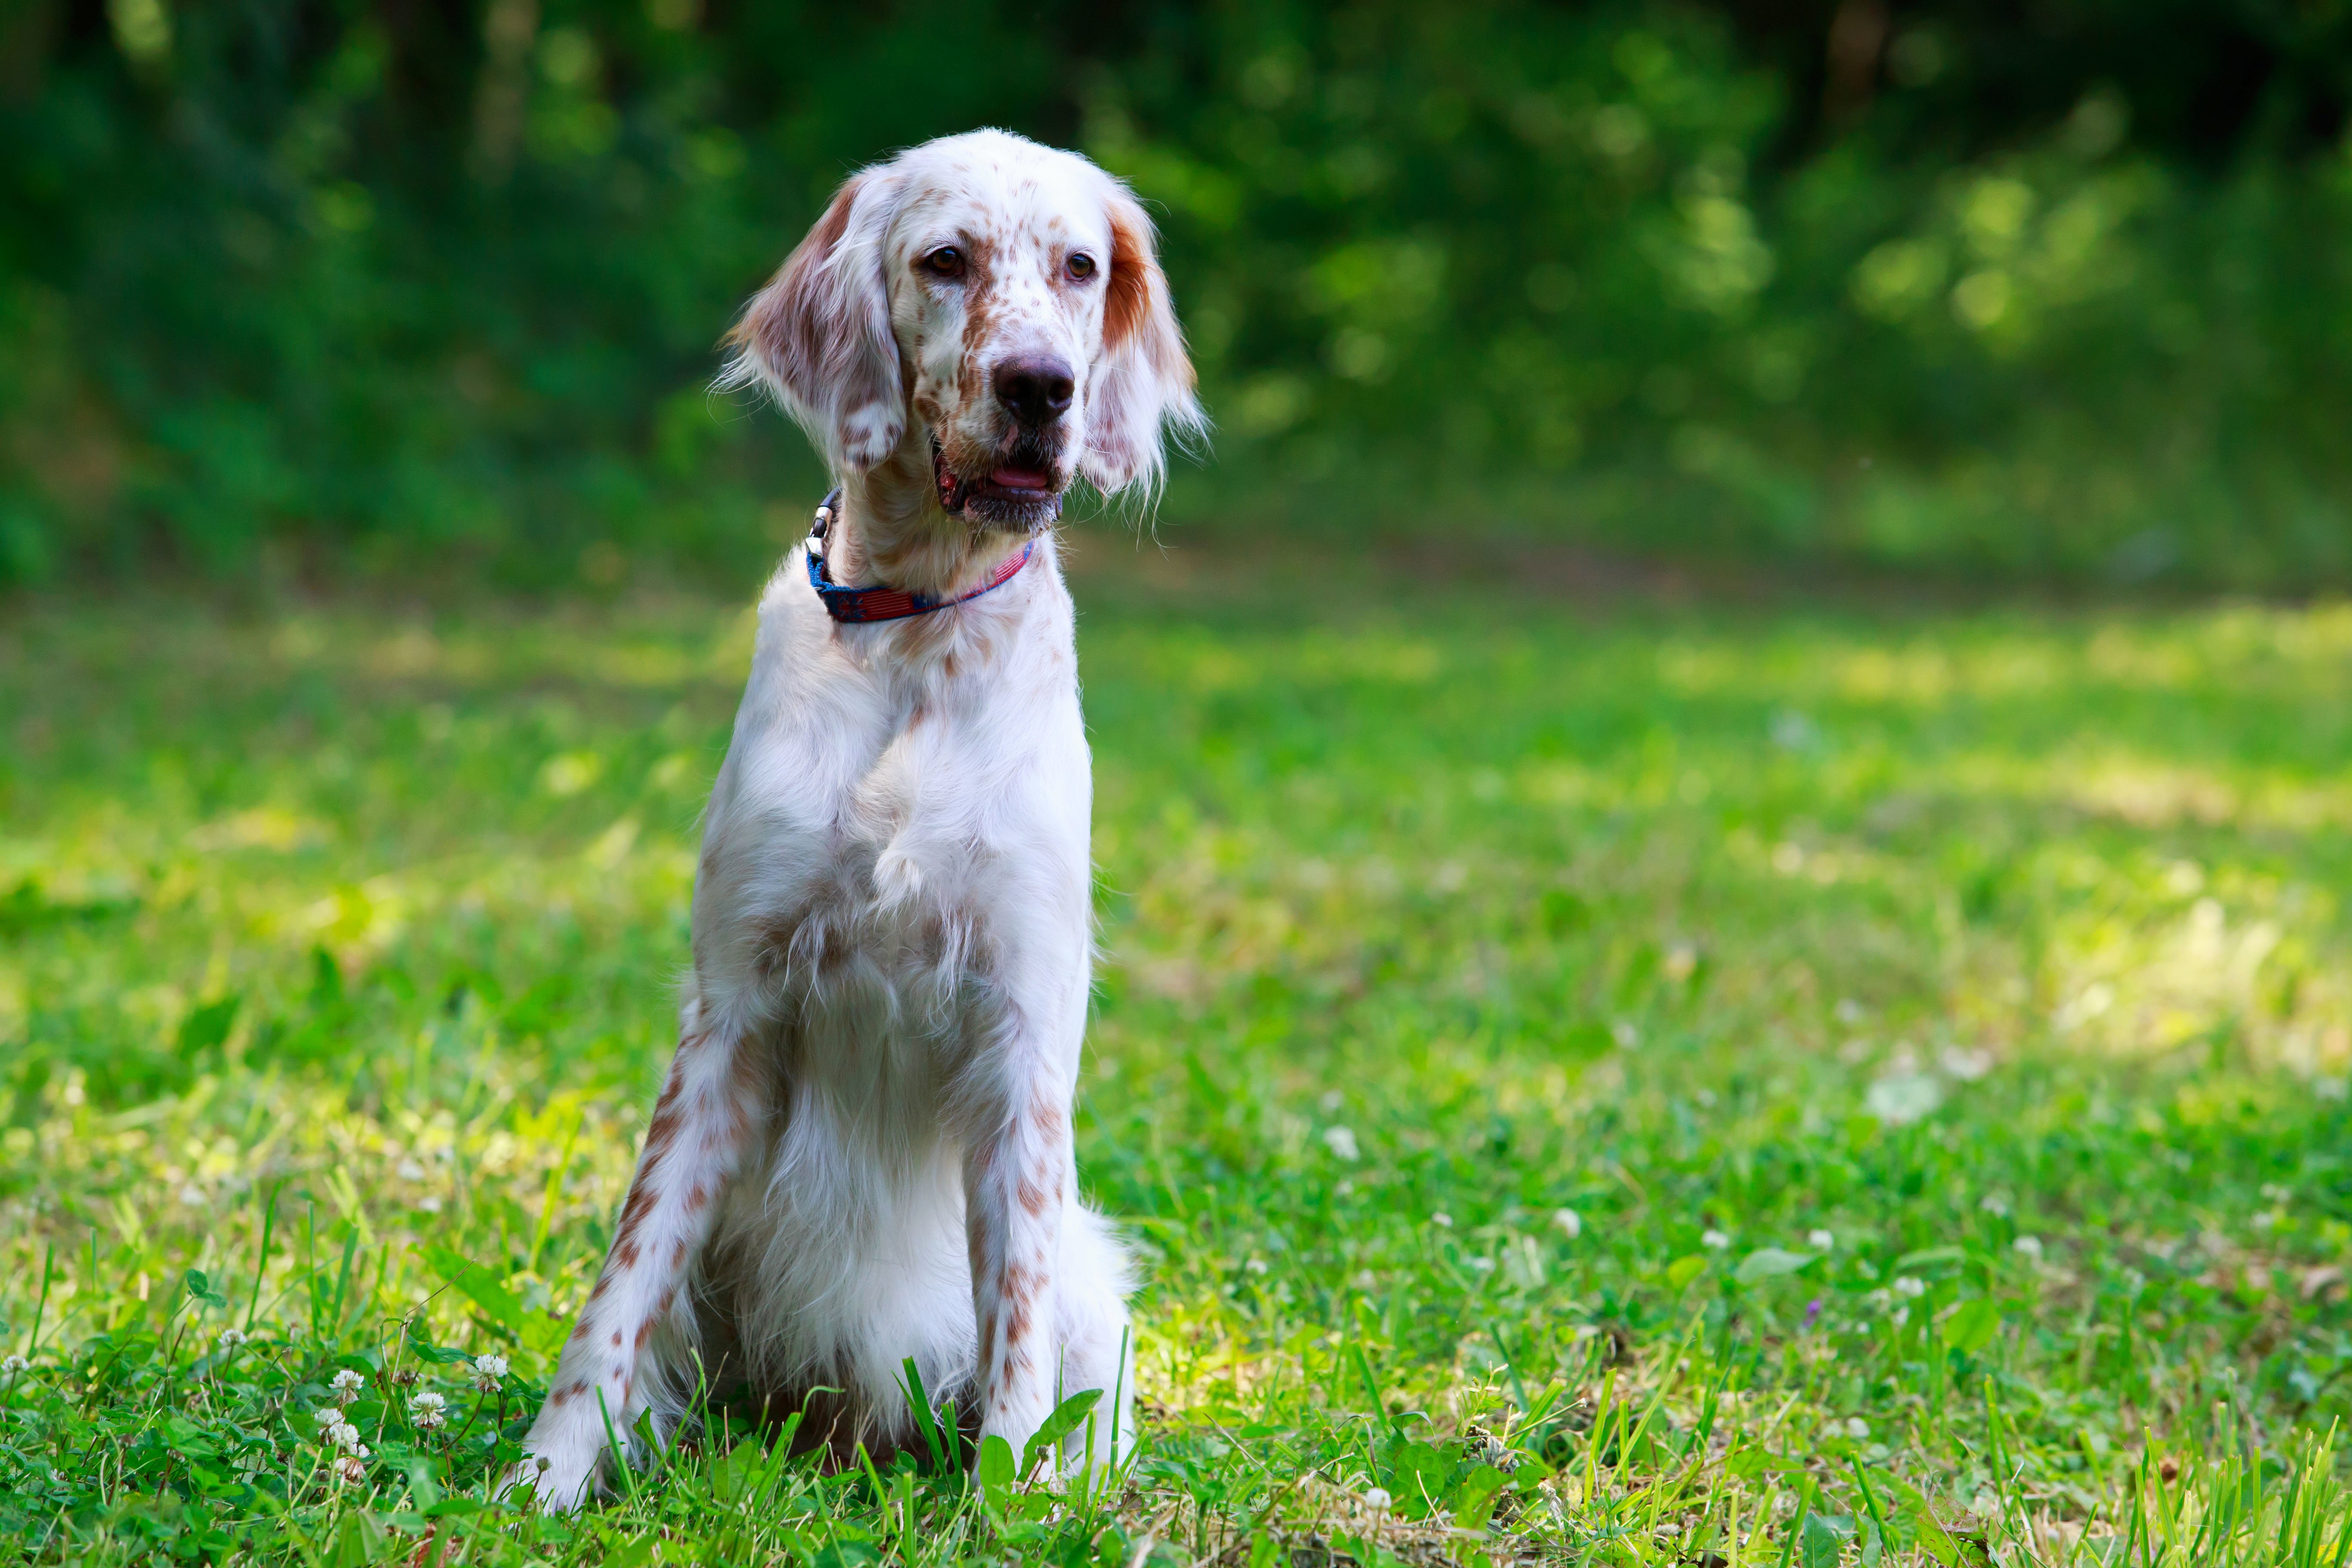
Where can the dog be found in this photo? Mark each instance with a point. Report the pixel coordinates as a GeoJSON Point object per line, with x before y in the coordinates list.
{"type": "Point", "coordinates": [862, 1151]}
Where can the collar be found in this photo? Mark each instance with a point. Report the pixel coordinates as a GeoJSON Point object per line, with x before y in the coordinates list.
{"type": "Point", "coordinates": [856, 605]}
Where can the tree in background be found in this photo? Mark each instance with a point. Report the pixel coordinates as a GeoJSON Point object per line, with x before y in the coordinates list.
{"type": "Point", "coordinates": [2050, 290]}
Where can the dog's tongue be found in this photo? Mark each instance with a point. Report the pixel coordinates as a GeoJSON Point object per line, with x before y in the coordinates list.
{"type": "Point", "coordinates": [1018, 479]}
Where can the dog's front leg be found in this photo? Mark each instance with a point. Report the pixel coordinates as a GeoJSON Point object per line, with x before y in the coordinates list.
{"type": "Point", "coordinates": [619, 1359]}
{"type": "Point", "coordinates": [1017, 1172]}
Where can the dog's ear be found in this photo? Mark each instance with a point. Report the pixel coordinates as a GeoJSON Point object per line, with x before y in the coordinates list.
{"type": "Point", "coordinates": [1142, 381]}
{"type": "Point", "coordinates": [818, 336]}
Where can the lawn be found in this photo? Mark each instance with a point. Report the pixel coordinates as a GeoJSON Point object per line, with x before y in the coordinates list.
{"type": "Point", "coordinates": [1592, 1078]}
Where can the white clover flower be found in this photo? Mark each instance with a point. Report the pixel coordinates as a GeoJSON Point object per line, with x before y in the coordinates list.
{"type": "Point", "coordinates": [14, 1363]}
{"type": "Point", "coordinates": [428, 1410]}
{"type": "Point", "coordinates": [1820, 1240]}
{"type": "Point", "coordinates": [344, 1435]}
{"type": "Point", "coordinates": [2027, 1246]}
{"type": "Point", "coordinates": [1570, 1223]}
{"type": "Point", "coordinates": [1342, 1142]}
{"type": "Point", "coordinates": [1377, 1498]}
{"type": "Point", "coordinates": [1993, 1204]}
{"type": "Point", "coordinates": [1441, 1220]}
{"type": "Point", "coordinates": [1857, 1428]}
{"type": "Point", "coordinates": [429, 1204]}
{"type": "Point", "coordinates": [1482, 1265]}
{"type": "Point", "coordinates": [328, 1417]}
{"type": "Point", "coordinates": [346, 1386]}
{"type": "Point", "coordinates": [231, 1338]}
{"type": "Point", "coordinates": [1881, 1298]}
{"type": "Point", "coordinates": [352, 1468]}
{"type": "Point", "coordinates": [1911, 1286]}
{"type": "Point", "coordinates": [487, 1370]}
{"type": "Point", "coordinates": [409, 1171]}
{"type": "Point", "coordinates": [192, 1194]}
{"type": "Point", "coordinates": [1902, 1315]}
{"type": "Point", "coordinates": [1714, 1241]}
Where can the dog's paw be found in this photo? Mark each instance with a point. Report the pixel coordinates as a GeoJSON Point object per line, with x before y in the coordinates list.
{"type": "Point", "coordinates": [558, 1485]}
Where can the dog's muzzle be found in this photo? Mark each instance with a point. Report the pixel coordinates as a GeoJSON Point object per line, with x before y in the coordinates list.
{"type": "Point", "coordinates": [1019, 494]}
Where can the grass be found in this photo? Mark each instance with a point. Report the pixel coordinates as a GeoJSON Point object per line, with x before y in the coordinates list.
{"type": "Point", "coordinates": [1626, 1084]}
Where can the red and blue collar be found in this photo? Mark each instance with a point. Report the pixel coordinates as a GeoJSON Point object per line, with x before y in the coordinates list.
{"type": "Point", "coordinates": [860, 604]}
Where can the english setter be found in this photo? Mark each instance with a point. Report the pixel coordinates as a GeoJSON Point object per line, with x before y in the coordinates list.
{"type": "Point", "coordinates": [863, 1149]}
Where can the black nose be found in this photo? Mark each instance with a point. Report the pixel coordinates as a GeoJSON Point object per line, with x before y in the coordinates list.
{"type": "Point", "coordinates": [1036, 388]}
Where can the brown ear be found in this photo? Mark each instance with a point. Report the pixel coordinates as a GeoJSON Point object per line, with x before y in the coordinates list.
{"type": "Point", "coordinates": [818, 337]}
{"type": "Point", "coordinates": [1143, 384]}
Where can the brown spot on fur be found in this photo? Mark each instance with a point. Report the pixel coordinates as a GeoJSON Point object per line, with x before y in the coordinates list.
{"type": "Point", "coordinates": [747, 1085]}
{"type": "Point", "coordinates": [645, 1333]}
{"type": "Point", "coordinates": [978, 1244]}
{"type": "Point", "coordinates": [580, 1331]}
{"type": "Point", "coordinates": [1049, 1117]}
{"type": "Point", "coordinates": [626, 1255]}
{"type": "Point", "coordinates": [603, 1283]}
{"type": "Point", "coordinates": [699, 1196]}
{"type": "Point", "coordinates": [979, 314]}
{"type": "Point", "coordinates": [677, 1252]}
{"type": "Point", "coordinates": [1134, 274]}
{"type": "Point", "coordinates": [642, 1199]}
{"type": "Point", "coordinates": [1035, 1193]}
{"type": "Point", "coordinates": [616, 1336]}
{"type": "Point", "coordinates": [661, 1131]}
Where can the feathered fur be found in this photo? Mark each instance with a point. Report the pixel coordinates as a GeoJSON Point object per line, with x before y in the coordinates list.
{"type": "Point", "coordinates": [863, 1149]}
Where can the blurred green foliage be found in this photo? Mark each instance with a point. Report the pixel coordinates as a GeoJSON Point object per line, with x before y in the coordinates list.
{"type": "Point", "coordinates": [2053, 292]}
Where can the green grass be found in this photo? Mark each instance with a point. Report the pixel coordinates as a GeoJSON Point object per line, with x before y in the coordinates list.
{"type": "Point", "coordinates": [1632, 1084]}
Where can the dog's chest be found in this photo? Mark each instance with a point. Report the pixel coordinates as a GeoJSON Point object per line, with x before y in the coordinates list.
{"type": "Point", "coordinates": [902, 840]}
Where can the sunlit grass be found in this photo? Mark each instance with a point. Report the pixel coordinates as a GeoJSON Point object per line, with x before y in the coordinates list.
{"type": "Point", "coordinates": [1610, 1086]}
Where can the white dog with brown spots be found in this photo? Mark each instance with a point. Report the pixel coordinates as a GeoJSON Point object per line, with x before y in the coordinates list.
{"type": "Point", "coordinates": [863, 1151]}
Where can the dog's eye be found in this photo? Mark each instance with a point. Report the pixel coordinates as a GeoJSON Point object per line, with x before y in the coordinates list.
{"type": "Point", "coordinates": [1080, 266]}
{"type": "Point", "coordinates": [947, 261]}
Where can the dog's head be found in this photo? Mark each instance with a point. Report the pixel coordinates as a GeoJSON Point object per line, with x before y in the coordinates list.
{"type": "Point", "coordinates": [988, 305]}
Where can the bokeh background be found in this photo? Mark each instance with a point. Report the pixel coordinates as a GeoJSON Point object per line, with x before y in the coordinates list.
{"type": "Point", "coordinates": [2049, 292]}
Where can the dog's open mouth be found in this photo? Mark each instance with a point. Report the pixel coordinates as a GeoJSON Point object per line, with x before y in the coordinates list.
{"type": "Point", "coordinates": [1020, 491]}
